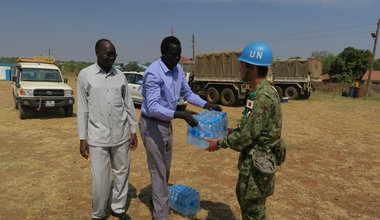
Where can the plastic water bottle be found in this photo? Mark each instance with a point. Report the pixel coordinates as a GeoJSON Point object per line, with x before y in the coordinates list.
{"type": "Point", "coordinates": [212, 124]}
{"type": "Point", "coordinates": [184, 199]}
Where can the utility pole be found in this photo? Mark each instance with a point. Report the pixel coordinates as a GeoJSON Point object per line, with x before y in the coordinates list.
{"type": "Point", "coordinates": [172, 32]}
{"type": "Point", "coordinates": [374, 36]}
{"type": "Point", "coordinates": [193, 45]}
{"type": "Point", "coordinates": [49, 53]}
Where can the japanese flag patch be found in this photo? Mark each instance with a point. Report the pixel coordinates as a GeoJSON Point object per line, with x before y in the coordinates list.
{"type": "Point", "coordinates": [249, 104]}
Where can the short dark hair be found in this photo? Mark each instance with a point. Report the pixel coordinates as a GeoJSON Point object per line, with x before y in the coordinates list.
{"type": "Point", "coordinates": [169, 40]}
{"type": "Point", "coordinates": [99, 42]}
{"type": "Point", "coordinates": [261, 70]}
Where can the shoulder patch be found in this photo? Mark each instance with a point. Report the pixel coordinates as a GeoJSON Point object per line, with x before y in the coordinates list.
{"type": "Point", "coordinates": [249, 104]}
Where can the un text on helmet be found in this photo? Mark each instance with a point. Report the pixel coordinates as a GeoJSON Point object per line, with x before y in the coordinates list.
{"type": "Point", "coordinates": [256, 54]}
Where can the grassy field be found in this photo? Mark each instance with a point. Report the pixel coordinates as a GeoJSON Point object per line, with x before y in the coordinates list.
{"type": "Point", "coordinates": [331, 172]}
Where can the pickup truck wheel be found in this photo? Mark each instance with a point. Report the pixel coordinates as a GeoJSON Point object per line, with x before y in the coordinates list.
{"type": "Point", "coordinates": [279, 91]}
{"type": "Point", "coordinates": [212, 95]}
{"type": "Point", "coordinates": [291, 92]}
{"type": "Point", "coordinates": [228, 97]}
{"type": "Point", "coordinates": [16, 104]}
{"type": "Point", "coordinates": [68, 111]}
{"type": "Point", "coordinates": [22, 111]}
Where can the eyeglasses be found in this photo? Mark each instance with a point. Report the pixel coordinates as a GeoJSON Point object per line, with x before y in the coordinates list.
{"type": "Point", "coordinates": [110, 55]}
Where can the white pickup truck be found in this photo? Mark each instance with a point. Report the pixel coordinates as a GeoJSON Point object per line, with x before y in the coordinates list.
{"type": "Point", "coordinates": [38, 84]}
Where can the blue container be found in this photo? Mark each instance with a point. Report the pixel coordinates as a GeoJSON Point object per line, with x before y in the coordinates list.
{"type": "Point", "coordinates": [8, 75]}
{"type": "Point", "coordinates": [284, 99]}
{"type": "Point", "coordinates": [352, 91]}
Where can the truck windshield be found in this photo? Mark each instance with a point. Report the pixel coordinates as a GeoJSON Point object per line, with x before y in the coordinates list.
{"type": "Point", "coordinates": [46, 75]}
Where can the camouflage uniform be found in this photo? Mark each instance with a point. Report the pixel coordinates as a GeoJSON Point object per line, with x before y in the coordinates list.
{"type": "Point", "coordinates": [259, 132]}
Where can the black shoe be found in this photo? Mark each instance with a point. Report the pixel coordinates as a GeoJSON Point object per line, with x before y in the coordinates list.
{"type": "Point", "coordinates": [121, 216]}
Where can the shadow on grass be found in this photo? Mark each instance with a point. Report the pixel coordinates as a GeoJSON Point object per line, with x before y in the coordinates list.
{"type": "Point", "coordinates": [145, 197]}
{"type": "Point", "coordinates": [132, 193]}
{"type": "Point", "coordinates": [217, 210]}
{"type": "Point", "coordinates": [46, 114]}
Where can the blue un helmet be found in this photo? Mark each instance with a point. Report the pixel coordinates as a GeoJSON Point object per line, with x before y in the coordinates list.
{"type": "Point", "coordinates": [257, 53]}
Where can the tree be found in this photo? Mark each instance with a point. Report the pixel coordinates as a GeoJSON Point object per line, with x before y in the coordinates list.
{"type": "Point", "coordinates": [350, 64]}
{"type": "Point", "coordinates": [132, 66]}
{"type": "Point", "coordinates": [376, 65]}
{"type": "Point", "coordinates": [327, 59]}
{"type": "Point", "coordinates": [7, 59]}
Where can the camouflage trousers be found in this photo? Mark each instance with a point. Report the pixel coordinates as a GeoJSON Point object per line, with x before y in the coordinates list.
{"type": "Point", "coordinates": [251, 192]}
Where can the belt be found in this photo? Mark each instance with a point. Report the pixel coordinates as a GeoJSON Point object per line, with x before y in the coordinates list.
{"type": "Point", "coordinates": [154, 119]}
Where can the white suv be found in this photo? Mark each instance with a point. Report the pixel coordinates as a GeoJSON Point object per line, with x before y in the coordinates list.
{"type": "Point", "coordinates": [38, 84]}
{"type": "Point", "coordinates": [134, 85]}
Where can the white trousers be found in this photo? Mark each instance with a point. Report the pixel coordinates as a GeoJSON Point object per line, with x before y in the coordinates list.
{"type": "Point", "coordinates": [109, 190]}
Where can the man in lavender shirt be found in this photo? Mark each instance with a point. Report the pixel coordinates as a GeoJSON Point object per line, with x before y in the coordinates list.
{"type": "Point", "coordinates": [163, 83]}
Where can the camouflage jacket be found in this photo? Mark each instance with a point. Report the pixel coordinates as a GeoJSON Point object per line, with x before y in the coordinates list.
{"type": "Point", "coordinates": [259, 130]}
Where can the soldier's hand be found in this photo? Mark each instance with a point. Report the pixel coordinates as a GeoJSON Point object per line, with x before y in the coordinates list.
{"type": "Point", "coordinates": [230, 130]}
{"type": "Point", "coordinates": [133, 142]}
{"type": "Point", "coordinates": [83, 149]}
{"type": "Point", "coordinates": [213, 144]}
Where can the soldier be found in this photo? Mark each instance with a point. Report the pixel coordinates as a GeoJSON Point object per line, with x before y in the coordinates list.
{"type": "Point", "coordinates": [259, 135]}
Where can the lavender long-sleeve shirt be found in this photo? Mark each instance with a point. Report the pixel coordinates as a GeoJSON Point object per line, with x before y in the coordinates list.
{"type": "Point", "coordinates": [162, 88]}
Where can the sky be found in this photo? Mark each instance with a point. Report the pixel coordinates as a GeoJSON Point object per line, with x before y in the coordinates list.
{"type": "Point", "coordinates": [70, 28]}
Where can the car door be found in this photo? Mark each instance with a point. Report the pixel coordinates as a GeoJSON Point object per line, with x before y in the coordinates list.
{"type": "Point", "coordinates": [133, 87]}
{"type": "Point", "coordinates": [137, 88]}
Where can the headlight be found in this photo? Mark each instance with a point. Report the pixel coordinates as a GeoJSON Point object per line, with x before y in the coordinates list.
{"type": "Point", "coordinates": [68, 92]}
{"type": "Point", "coordinates": [28, 92]}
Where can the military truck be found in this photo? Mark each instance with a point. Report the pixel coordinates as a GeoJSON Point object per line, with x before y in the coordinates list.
{"type": "Point", "coordinates": [296, 78]}
{"type": "Point", "coordinates": [217, 77]}
{"type": "Point", "coordinates": [37, 84]}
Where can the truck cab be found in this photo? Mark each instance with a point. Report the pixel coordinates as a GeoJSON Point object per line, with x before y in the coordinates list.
{"type": "Point", "coordinates": [37, 84]}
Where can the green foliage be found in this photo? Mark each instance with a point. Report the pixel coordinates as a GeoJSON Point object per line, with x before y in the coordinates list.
{"type": "Point", "coordinates": [7, 59]}
{"type": "Point", "coordinates": [72, 66]}
{"type": "Point", "coordinates": [132, 66]}
{"type": "Point", "coordinates": [376, 64]}
{"type": "Point", "coordinates": [327, 59]}
{"type": "Point", "coordinates": [351, 64]}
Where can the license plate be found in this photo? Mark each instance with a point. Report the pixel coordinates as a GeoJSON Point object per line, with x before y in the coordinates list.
{"type": "Point", "coordinates": [50, 103]}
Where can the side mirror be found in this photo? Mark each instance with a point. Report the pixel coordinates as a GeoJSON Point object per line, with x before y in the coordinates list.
{"type": "Point", "coordinates": [139, 82]}
{"type": "Point", "coordinates": [65, 80]}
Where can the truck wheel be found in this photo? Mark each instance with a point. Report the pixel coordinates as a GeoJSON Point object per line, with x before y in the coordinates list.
{"type": "Point", "coordinates": [291, 92]}
{"type": "Point", "coordinates": [22, 111]}
{"type": "Point", "coordinates": [306, 95]}
{"type": "Point", "coordinates": [68, 111]}
{"type": "Point", "coordinates": [279, 91]}
{"type": "Point", "coordinates": [212, 95]}
{"type": "Point", "coordinates": [227, 97]}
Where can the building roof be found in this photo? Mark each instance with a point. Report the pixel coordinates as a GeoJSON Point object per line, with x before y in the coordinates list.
{"type": "Point", "coordinates": [184, 59]}
{"type": "Point", "coordinates": [375, 75]}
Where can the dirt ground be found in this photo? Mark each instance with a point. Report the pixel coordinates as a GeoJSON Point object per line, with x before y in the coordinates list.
{"type": "Point", "coordinates": [332, 169]}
